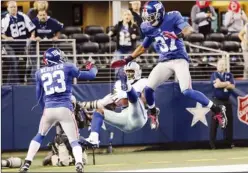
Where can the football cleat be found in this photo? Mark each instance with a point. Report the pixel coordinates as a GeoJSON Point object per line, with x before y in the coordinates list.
{"type": "Point", "coordinates": [154, 123]}
{"type": "Point", "coordinates": [79, 168]}
{"type": "Point", "coordinates": [221, 117]}
{"type": "Point", "coordinates": [25, 166]}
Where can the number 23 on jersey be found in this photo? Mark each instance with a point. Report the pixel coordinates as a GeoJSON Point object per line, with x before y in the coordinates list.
{"type": "Point", "coordinates": [54, 82]}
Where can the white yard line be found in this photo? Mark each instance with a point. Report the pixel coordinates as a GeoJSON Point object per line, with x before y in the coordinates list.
{"type": "Point", "coordinates": [221, 168]}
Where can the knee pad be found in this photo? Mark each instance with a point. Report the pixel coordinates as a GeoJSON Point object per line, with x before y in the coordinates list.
{"type": "Point", "coordinates": [38, 138]}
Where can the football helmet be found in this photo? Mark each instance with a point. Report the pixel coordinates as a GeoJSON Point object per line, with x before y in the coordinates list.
{"type": "Point", "coordinates": [153, 12]}
{"type": "Point", "coordinates": [54, 56]}
{"type": "Point", "coordinates": [133, 71]}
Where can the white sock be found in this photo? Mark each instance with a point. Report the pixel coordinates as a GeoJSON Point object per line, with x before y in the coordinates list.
{"type": "Point", "coordinates": [94, 136]}
{"type": "Point", "coordinates": [32, 150]}
{"type": "Point", "coordinates": [210, 104]}
{"type": "Point", "coordinates": [78, 154]}
{"type": "Point", "coordinates": [152, 106]}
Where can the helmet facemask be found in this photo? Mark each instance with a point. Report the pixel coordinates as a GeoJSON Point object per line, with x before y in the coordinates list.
{"type": "Point", "coordinates": [130, 75]}
{"type": "Point", "coordinates": [152, 18]}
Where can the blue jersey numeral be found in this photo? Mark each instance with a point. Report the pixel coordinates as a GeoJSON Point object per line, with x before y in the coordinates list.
{"type": "Point", "coordinates": [54, 82]}
{"type": "Point", "coordinates": [163, 47]}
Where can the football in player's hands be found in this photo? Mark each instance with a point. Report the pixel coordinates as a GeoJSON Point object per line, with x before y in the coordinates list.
{"type": "Point", "coordinates": [118, 63]}
{"type": "Point", "coordinates": [121, 62]}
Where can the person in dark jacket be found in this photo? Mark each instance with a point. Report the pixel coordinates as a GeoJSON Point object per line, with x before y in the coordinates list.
{"type": "Point", "coordinates": [223, 84]}
{"type": "Point", "coordinates": [127, 33]}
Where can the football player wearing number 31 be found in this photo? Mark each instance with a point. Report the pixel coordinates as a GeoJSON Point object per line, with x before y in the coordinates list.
{"type": "Point", "coordinates": [53, 92]}
{"type": "Point", "coordinates": [168, 30]}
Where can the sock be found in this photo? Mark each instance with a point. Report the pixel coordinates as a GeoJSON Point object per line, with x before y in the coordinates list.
{"type": "Point", "coordinates": [197, 96]}
{"type": "Point", "coordinates": [149, 94]}
{"type": "Point", "coordinates": [132, 96]}
{"type": "Point", "coordinates": [77, 152]}
{"type": "Point", "coordinates": [96, 123]}
{"type": "Point", "coordinates": [32, 150]}
{"type": "Point", "coordinates": [94, 136]}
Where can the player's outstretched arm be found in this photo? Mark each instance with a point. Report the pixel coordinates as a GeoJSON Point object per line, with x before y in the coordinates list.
{"type": "Point", "coordinates": [137, 52]}
{"type": "Point", "coordinates": [88, 75]}
{"type": "Point", "coordinates": [97, 104]}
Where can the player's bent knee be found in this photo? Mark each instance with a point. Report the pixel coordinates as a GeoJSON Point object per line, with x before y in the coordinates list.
{"type": "Point", "coordinates": [74, 143]}
{"type": "Point", "coordinates": [39, 138]}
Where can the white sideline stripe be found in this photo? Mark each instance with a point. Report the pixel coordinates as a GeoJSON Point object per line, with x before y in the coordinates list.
{"type": "Point", "coordinates": [223, 168]}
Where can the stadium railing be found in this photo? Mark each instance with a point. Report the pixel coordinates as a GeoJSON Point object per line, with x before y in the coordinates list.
{"type": "Point", "coordinates": [27, 55]}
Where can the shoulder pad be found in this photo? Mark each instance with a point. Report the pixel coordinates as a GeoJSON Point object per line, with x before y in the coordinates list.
{"type": "Point", "coordinates": [149, 30]}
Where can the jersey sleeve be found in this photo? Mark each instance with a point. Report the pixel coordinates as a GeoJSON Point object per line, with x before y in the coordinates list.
{"type": "Point", "coordinates": [232, 79]}
{"type": "Point", "coordinates": [74, 71]}
{"type": "Point", "coordinates": [83, 75]}
{"type": "Point", "coordinates": [213, 77]}
{"type": "Point", "coordinates": [4, 24]}
{"type": "Point", "coordinates": [179, 21]}
{"type": "Point", "coordinates": [29, 24]}
{"type": "Point", "coordinates": [57, 25]}
{"type": "Point", "coordinates": [39, 91]}
{"type": "Point", "coordinates": [147, 42]}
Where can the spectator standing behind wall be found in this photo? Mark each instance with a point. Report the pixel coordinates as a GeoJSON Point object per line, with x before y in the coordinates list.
{"type": "Point", "coordinates": [235, 18]}
{"type": "Point", "coordinates": [127, 33]}
{"type": "Point", "coordinates": [17, 25]}
{"type": "Point", "coordinates": [46, 27]}
{"type": "Point", "coordinates": [243, 36]}
{"type": "Point", "coordinates": [38, 6]}
{"type": "Point", "coordinates": [136, 12]}
{"type": "Point", "coordinates": [202, 15]}
{"type": "Point", "coordinates": [223, 84]}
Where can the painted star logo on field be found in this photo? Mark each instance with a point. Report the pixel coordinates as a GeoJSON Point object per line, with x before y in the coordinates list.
{"type": "Point", "coordinates": [199, 114]}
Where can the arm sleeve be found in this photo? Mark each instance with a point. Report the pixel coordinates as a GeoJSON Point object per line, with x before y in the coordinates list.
{"type": "Point", "coordinates": [213, 77]}
{"type": "Point", "coordinates": [197, 17]}
{"type": "Point", "coordinates": [4, 24]}
{"type": "Point", "coordinates": [180, 23]}
{"type": "Point", "coordinates": [147, 42]}
{"type": "Point", "coordinates": [227, 19]}
{"type": "Point", "coordinates": [29, 24]}
{"type": "Point", "coordinates": [39, 92]}
{"type": "Point", "coordinates": [232, 79]}
{"type": "Point", "coordinates": [57, 25]}
{"type": "Point", "coordinates": [83, 75]}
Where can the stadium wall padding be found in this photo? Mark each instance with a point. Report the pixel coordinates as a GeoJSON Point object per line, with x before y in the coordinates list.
{"type": "Point", "coordinates": [20, 116]}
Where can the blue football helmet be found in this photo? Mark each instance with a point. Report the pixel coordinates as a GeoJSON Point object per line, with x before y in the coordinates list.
{"type": "Point", "coordinates": [53, 56]}
{"type": "Point", "coordinates": [153, 12]}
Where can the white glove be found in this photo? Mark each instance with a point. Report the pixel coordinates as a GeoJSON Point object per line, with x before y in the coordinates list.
{"type": "Point", "coordinates": [108, 99]}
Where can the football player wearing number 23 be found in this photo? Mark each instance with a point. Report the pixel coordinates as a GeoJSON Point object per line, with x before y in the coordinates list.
{"type": "Point", "coordinates": [53, 92]}
{"type": "Point", "coordinates": [167, 30]}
